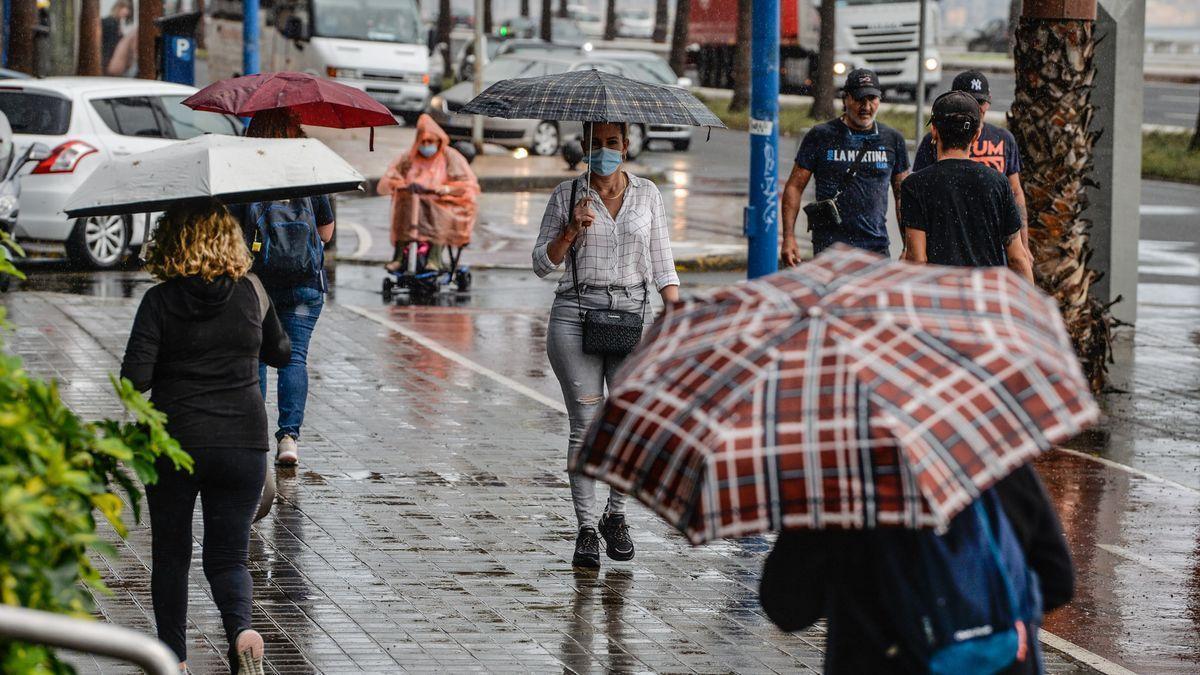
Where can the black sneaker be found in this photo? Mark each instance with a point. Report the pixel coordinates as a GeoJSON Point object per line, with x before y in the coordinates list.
{"type": "Point", "coordinates": [618, 544]}
{"type": "Point", "coordinates": [587, 548]}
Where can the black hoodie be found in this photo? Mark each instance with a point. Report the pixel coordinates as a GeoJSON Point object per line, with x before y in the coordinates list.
{"type": "Point", "coordinates": [196, 345]}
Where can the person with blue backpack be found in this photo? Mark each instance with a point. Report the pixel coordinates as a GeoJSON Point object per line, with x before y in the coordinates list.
{"type": "Point", "coordinates": [287, 240]}
{"type": "Point", "coordinates": [915, 601]}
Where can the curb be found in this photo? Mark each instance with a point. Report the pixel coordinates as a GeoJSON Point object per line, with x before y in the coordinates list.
{"type": "Point", "coordinates": [1006, 67]}
{"type": "Point", "coordinates": [506, 183]}
{"type": "Point", "coordinates": [707, 263]}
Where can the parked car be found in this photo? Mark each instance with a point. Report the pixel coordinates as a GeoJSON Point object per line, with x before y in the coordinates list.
{"type": "Point", "coordinates": [993, 37]}
{"type": "Point", "coordinates": [562, 31]}
{"type": "Point", "coordinates": [635, 23]}
{"type": "Point", "coordinates": [545, 137]}
{"type": "Point", "coordinates": [590, 23]}
{"type": "Point", "coordinates": [85, 121]}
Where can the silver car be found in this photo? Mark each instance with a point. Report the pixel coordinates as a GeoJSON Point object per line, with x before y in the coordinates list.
{"type": "Point", "coordinates": [545, 137]}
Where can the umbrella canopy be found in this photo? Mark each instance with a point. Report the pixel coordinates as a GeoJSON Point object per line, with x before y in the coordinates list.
{"type": "Point", "coordinates": [316, 101]}
{"type": "Point", "coordinates": [851, 392]}
{"type": "Point", "coordinates": [228, 168]}
{"type": "Point", "coordinates": [591, 96]}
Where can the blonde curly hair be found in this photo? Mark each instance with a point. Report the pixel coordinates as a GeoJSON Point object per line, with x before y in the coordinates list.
{"type": "Point", "coordinates": [198, 240]}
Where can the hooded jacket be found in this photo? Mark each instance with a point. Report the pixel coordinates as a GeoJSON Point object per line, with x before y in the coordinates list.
{"type": "Point", "coordinates": [196, 345]}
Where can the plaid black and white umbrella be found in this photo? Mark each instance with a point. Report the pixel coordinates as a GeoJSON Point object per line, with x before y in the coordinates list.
{"type": "Point", "coordinates": [851, 392]}
{"type": "Point", "coordinates": [591, 96]}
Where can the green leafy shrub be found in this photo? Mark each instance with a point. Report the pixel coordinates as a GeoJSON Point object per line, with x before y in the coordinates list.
{"type": "Point", "coordinates": [56, 472]}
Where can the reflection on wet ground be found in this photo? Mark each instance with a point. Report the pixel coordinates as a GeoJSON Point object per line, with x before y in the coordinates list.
{"type": "Point", "coordinates": [429, 526]}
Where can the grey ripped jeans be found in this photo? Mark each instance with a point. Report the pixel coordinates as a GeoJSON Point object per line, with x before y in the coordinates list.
{"type": "Point", "coordinates": [583, 378]}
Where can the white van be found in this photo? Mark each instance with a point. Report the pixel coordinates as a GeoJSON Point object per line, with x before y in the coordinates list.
{"type": "Point", "coordinates": [378, 46]}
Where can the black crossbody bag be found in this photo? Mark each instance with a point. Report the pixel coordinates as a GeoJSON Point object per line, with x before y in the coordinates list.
{"type": "Point", "coordinates": [606, 332]}
{"type": "Point", "coordinates": [824, 213]}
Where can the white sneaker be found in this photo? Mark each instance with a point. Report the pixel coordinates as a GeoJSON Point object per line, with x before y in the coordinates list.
{"type": "Point", "coordinates": [250, 652]}
{"type": "Point", "coordinates": [286, 453]}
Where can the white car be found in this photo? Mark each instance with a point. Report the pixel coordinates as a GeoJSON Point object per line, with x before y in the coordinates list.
{"type": "Point", "coordinates": [85, 121]}
{"type": "Point", "coordinates": [635, 23]}
{"type": "Point", "coordinates": [590, 23]}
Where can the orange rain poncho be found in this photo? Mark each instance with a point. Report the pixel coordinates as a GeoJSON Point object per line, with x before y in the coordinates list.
{"type": "Point", "coordinates": [441, 219]}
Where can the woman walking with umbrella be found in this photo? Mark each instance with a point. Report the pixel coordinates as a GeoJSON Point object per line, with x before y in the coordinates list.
{"type": "Point", "coordinates": [615, 245]}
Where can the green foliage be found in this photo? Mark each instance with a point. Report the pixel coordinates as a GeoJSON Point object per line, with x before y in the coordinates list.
{"type": "Point", "coordinates": [1167, 156]}
{"type": "Point", "coordinates": [56, 472]}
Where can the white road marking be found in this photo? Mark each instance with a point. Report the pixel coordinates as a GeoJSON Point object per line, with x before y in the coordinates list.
{"type": "Point", "coordinates": [1130, 470]}
{"type": "Point", "coordinates": [1143, 561]}
{"type": "Point", "coordinates": [1167, 210]}
{"type": "Point", "coordinates": [1178, 98]}
{"type": "Point", "coordinates": [1045, 637]}
{"type": "Point", "coordinates": [365, 240]}
{"type": "Point", "coordinates": [1082, 655]}
{"type": "Point", "coordinates": [435, 347]}
{"type": "Point", "coordinates": [1167, 258]}
{"type": "Point", "coordinates": [1180, 116]}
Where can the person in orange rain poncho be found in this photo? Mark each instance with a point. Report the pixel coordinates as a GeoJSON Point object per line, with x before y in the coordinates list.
{"type": "Point", "coordinates": [434, 194]}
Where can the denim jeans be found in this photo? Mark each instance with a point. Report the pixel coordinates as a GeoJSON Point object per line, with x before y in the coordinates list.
{"type": "Point", "coordinates": [583, 378]}
{"type": "Point", "coordinates": [298, 309]}
{"type": "Point", "coordinates": [229, 482]}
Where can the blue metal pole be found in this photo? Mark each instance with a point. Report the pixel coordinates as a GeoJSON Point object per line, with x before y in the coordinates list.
{"type": "Point", "coordinates": [762, 215]}
{"type": "Point", "coordinates": [7, 33]}
{"type": "Point", "coordinates": [250, 37]}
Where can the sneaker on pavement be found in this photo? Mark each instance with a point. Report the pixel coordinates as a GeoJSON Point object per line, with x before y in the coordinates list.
{"type": "Point", "coordinates": [249, 653]}
{"type": "Point", "coordinates": [587, 548]}
{"type": "Point", "coordinates": [618, 544]}
{"type": "Point", "coordinates": [286, 453]}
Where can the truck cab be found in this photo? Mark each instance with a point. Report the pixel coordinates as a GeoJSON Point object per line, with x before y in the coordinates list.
{"type": "Point", "coordinates": [883, 35]}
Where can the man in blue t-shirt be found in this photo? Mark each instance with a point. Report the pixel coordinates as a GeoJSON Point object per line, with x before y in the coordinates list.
{"type": "Point", "coordinates": [828, 152]}
{"type": "Point", "coordinates": [995, 146]}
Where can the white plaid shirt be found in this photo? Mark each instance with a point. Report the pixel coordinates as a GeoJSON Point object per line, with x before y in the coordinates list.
{"type": "Point", "coordinates": [627, 251]}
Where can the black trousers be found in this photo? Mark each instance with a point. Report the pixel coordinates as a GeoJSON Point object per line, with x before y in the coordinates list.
{"type": "Point", "coordinates": [229, 482]}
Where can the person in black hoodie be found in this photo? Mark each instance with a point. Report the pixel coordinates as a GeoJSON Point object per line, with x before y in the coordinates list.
{"type": "Point", "coordinates": [813, 574]}
{"type": "Point", "coordinates": [196, 344]}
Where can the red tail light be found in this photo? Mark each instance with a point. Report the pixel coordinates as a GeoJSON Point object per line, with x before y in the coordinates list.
{"type": "Point", "coordinates": [64, 158]}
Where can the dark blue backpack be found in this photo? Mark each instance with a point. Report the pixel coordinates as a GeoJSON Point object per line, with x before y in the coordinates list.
{"type": "Point", "coordinates": [286, 245]}
{"type": "Point", "coordinates": [970, 603]}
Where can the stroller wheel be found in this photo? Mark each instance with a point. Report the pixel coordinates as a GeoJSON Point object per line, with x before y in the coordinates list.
{"type": "Point", "coordinates": [388, 286]}
{"type": "Point", "coordinates": [462, 280]}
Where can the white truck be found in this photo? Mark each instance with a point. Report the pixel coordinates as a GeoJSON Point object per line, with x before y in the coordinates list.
{"type": "Point", "coordinates": [379, 46]}
{"type": "Point", "coordinates": [878, 34]}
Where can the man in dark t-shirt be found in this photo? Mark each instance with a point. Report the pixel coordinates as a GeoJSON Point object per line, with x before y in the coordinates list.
{"type": "Point", "coordinates": [995, 146]}
{"type": "Point", "coordinates": [958, 211]}
{"type": "Point", "coordinates": [827, 152]}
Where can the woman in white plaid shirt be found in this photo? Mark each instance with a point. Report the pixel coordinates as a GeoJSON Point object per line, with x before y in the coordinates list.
{"type": "Point", "coordinates": [619, 233]}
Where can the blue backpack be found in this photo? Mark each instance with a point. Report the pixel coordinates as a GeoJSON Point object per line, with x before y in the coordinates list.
{"type": "Point", "coordinates": [970, 604]}
{"type": "Point", "coordinates": [288, 249]}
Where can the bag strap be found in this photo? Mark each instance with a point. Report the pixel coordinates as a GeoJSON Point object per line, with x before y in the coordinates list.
{"type": "Point", "coordinates": [264, 300]}
{"type": "Point", "coordinates": [852, 171]}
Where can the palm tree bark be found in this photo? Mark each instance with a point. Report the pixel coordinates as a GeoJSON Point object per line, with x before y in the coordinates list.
{"type": "Point", "coordinates": [488, 20]}
{"type": "Point", "coordinates": [562, 10]}
{"type": "Point", "coordinates": [822, 108]}
{"type": "Point", "coordinates": [679, 36]}
{"type": "Point", "coordinates": [1195, 144]}
{"type": "Point", "coordinates": [525, 8]}
{"type": "Point", "coordinates": [610, 20]}
{"type": "Point", "coordinates": [20, 35]}
{"type": "Point", "coordinates": [547, 20]}
{"type": "Point", "coordinates": [741, 57]}
{"type": "Point", "coordinates": [662, 16]}
{"type": "Point", "coordinates": [147, 64]}
{"type": "Point", "coordinates": [445, 24]}
{"type": "Point", "coordinates": [89, 38]}
{"type": "Point", "coordinates": [1051, 119]}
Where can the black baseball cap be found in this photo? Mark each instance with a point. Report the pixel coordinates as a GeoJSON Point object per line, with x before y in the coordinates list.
{"type": "Point", "coordinates": [862, 82]}
{"type": "Point", "coordinates": [974, 83]}
{"type": "Point", "coordinates": [956, 105]}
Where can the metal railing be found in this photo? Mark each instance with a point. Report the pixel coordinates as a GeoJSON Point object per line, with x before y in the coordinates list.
{"type": "Point", "coordinates": [91, 637]}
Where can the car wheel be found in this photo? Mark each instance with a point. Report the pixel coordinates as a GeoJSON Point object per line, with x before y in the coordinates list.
{"type": "Point", "coordinates": [545, 139]}
{"type": "Point", "coordinates": [99, 242]}
{"type": "Point", "coordinates": [637, 141]}
{"type": "Point", "coordinates": [683, 145]}
{"type": "Point", "coordinates": [410, 118]}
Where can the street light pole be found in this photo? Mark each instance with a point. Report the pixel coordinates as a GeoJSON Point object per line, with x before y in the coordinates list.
{"type": "Point", "coordinates": [477, 79]}
{"type": "Point", "coordinates": [250, 37]}
{"type": "Point", "coordinates": [761, 223]}
{"type": "Point", "coordinates": [920, 93]}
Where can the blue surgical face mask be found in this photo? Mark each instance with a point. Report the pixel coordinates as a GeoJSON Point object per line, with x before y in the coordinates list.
{"type": "Point", "coordinates": [427, 150]}
{"type": "Point", "coordinates": [605, 161]}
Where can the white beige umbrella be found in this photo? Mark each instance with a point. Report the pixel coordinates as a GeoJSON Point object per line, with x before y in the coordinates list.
{"type": "Point", "coordinates": [229, 169]}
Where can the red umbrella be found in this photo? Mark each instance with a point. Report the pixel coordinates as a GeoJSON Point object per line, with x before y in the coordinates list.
{"type": "Point", "coordinates": [851, 392]}
{"type": "Point", "coordinates": [315, 100]}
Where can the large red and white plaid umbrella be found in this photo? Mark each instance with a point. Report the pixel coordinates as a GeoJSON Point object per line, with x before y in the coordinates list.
{"type": "Point", "coordinates": [851, 392]}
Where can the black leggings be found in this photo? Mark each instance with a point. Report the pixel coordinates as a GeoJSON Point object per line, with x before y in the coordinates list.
{"type": "Point", "coordinates": [229, 482]}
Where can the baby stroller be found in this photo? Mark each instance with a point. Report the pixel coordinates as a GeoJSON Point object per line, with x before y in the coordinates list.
{"type": "Point", "coordinates": [419, 274]}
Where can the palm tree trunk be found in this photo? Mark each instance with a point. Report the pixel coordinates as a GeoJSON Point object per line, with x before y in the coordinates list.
{"type": "Point", "coordinates": [662, 16]}
{"type": "Point", "coordinates": [679, 36]}
{"type": "Point", "coordinates": [1051, 118]}
{"type": "Point", "coordinates": [445, 24]}
{"type": "Point", "coordinates": [741, 57]}
{"type": "Point", "coordinates": [20, 35]}
{"type": "Point", "coordinates": [525, 8]}
{"type": "Point", "coordinates": [488, 21]}
{"type": "Point", "coordinates": [148, 11]}
{"type": "Point", "coordinates": [89, 38]}
{"type": "Point", "coordinates": [547, 20]}
{"type": "Point", "coordinates": [610, 20]}
{"type": "Point", "coordinates": [1195, 144]}
{"type": "Point", "coordinates": [562, 10]}
{"type": "Point", "coordinates": [822, 108]}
